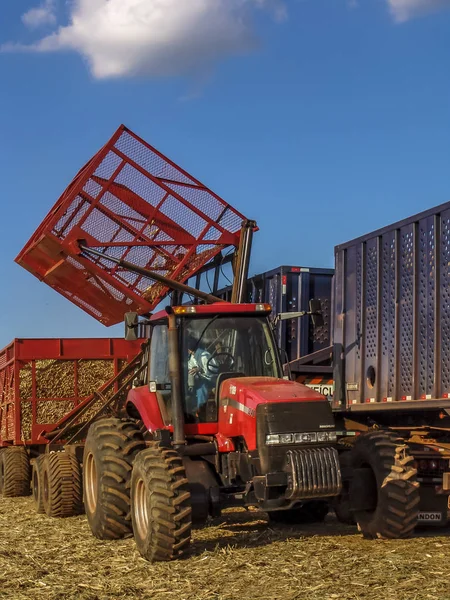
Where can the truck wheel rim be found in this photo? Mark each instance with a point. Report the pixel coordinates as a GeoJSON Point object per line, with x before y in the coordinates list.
{"type": "Point", "coordinates": [91, 483]}
{"type": "Point", "coordinates": [140, 509]}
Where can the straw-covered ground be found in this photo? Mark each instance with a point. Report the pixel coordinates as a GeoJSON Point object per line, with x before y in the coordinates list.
{"type": "Point", "coordinates": [236, 557]}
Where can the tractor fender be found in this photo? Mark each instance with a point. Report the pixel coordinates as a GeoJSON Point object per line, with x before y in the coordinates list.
{"type": "Point", "coordinates": [145, 405]}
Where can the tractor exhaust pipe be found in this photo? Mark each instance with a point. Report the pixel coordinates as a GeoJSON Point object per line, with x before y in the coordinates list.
{"type": "Point", "coordinates": [242, 262]}
{"type": "Point", "coordinates": [179, 437]}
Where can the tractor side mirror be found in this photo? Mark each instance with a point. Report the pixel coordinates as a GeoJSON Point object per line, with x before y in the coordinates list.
{"type": "Point", "coordinates": [315, 310]}
{"type": "Point", "coordinates": [131, 326]}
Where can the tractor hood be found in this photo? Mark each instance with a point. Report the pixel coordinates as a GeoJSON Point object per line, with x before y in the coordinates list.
{"type": "Point", "coordinates": [278, 400]}
{"type": "Point", "coordinates": [268, 389]}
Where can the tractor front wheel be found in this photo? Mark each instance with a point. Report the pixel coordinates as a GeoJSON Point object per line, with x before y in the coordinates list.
{"type": "Point", "coordinates": [160, 504]}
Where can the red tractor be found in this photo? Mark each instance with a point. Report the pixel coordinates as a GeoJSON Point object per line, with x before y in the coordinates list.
{"type": "Point", "coordinates": [222, 428]}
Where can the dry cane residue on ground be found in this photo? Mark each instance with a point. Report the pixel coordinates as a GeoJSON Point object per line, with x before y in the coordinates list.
{"type": "Point", "coordinates": [238, 556]}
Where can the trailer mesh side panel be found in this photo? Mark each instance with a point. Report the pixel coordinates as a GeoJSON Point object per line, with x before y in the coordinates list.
{"type": "Point", "coordinates": [445, 301]}
{"type": "Point", "coordinates": [406, 311]}
{"type": "Point", "coordinates": [358, 300]}
{"type": "Point", "coordinates": [128, 202]}
{"type": "Point", "coordinates": [393, 301]}
{"type": "Point", "coordinates": [388, 311]}
{"type": "Point", "coordinates": [426, 305]}
{"type": "Point", "coordinates": [371, 301]}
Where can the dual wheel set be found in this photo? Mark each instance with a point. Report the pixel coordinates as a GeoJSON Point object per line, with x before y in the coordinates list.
{"type": "Point", "coordinates": [125, 486]}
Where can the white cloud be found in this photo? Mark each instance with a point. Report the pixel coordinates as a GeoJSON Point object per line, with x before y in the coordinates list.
{"type": "Point", "coordinates": [42, 15]}
{"type": "Point", "coordinates": [403, 10]}
{"type": "Point", "coordinates": [154, 37]}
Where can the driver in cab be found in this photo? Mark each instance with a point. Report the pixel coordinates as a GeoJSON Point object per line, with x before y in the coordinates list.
{"type": "Point", "coordinates": [201, 380]}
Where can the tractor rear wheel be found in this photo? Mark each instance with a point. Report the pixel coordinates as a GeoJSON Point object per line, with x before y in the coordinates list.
{"type": "Point", "coordinates": [61, 485]}
{"type": "Point", "coordinates": [160, 504]}
{"type": "Point", "coordinates": [109, 452]}
{"type": "Point", "coordinates": [37, 484]}
{"type": "Point", "coordinates": [384, 492]}
{"type": "Point", "coordinates": [15, 472]}
{"type": "Point", "coordinates": [310, 512]}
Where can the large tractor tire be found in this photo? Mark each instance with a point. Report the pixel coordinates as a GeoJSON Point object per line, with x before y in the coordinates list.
{"type": "Point", "coordinates": [310, 512]}
{"type": "Point", "coordinates": [15, 472]}
{"type": "Point", "coordinates": [160, 504]}
{"type": "Point", "coordinates": [109, 453]}
{"type": "Point", "coordinates": [384, 474]}
{"type": "Point", "coordinates": [61, 485]}
{"type": "Point", "coordinates": [37, 484]}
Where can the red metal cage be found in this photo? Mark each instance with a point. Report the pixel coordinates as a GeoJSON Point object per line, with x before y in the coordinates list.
{"type": "Point", "coordinates": [130, 202]}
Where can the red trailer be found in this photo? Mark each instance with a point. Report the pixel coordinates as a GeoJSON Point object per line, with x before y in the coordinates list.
{"type": "Point", "coordinates": [42, 381]}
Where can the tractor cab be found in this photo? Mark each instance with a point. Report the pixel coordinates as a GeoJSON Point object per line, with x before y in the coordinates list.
{"type": "Point", "coordinates": [213, 343]}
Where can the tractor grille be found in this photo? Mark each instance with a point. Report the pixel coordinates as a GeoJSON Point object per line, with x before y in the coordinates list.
{"type": "Point", "coordinates": [315, 473]}
{"type": "Point", "coordinates": [287, 417]}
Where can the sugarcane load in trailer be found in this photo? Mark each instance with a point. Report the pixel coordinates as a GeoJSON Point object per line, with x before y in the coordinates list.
{"type": "Point", "coordinates": [210, 421]}
{"type": "Point", "coordinates": [45, 383]}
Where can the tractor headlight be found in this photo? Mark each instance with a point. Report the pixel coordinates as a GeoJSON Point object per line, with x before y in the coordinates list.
{"type": "Point", "coordinates": [305, 438]}
{"type": "Point", "coordinates": [309, 437]}
{"type": "Point", "coordinates": [272, 438]}
{"type": "Point", "coordinates": [326, 436]}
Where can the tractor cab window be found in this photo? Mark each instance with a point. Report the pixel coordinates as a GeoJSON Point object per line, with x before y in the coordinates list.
{"type": "Point", "coordinates": [159, 366]}
{"type": "Point", "coordinates": [223, 344]}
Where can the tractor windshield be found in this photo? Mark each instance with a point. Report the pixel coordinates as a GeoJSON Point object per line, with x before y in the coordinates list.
{"type": "Point", "coordinates": [223, 344]}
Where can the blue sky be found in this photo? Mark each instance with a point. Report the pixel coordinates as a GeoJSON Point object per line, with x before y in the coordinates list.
{"type": "Point", "coordinates": [321, 119]}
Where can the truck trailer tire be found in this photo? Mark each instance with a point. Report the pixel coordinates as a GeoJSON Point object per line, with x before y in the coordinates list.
{"type": "Point", "coordinates": [37, 484]}
{"type": "Point", "coordinates": [160, 504]}
{"type": "Point", "coordinates": [310, 512]}
{"type": "Point", "coordinates": [382, 461]}
{"type": "Point", "coordinates": [15, 472]}
{"type": "Point", "coordinates": [61, 485]}
{"type": "Point", "coordinates": [109, 452]}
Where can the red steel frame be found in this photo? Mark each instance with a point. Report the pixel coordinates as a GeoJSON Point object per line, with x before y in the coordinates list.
{"type": "Point", "coordinates": [21, 352]}
{"type": "Point", "coordinates": [130, 202]}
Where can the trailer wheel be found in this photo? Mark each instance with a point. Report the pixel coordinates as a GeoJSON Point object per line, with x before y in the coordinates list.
{"type": "Point", "coordinates": [109, 452]}
{"type": "Point", "coordinates": [310, 512]}
{"type": "Point", "coordinates": [160, 504]}
{"type": "Point", "coordinates": [37, 484]}
{"type": "Point", "coordinates": [15, 472]}
{"type": "Point", "coordinates": [61, 485]}
{"type": "Point", "coordinates": [385, 481]}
